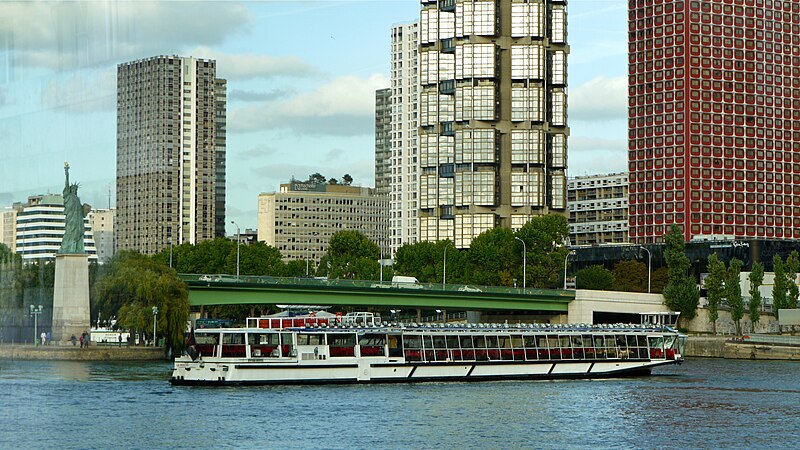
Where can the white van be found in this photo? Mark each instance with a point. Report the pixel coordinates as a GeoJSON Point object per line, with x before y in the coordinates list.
{"type": "Point", "coordinates": [399, 281]}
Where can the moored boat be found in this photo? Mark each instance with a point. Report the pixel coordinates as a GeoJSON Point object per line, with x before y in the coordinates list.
{"type": "Point", "coordinates": [358, 348]}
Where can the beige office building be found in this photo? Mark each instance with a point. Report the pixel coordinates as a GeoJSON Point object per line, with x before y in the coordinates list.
{"type": "Point", "coordinates": [101, 222]}
{"type": "Point", "coordinates": [598, 209]}
{"type": "Point", "coordinates": [301, 218]}
{"type": "Point", "coordinates": [492, 115]}
{"type": "Point", "coordinates": [170, 153]}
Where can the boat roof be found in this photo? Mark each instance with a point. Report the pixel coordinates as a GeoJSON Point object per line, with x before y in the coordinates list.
{"type": "Point", "coordinates": [398, 327]}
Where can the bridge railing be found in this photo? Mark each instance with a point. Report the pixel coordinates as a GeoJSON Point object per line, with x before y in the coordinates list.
{"type": "Point", "coordinates": [461, 289]}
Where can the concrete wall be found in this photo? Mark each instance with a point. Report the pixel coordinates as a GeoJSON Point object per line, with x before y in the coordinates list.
{"type": "Point", "coordinates": [725, 325]}
{"type": "Point", "coordinates": [93, 353]}
{"type": "Point", "coordinates": [715, 347]}
{"type": "Point", "coordinates": [587, 301]}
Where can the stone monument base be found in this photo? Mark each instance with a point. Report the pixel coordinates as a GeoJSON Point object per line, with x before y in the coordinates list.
{"type": "Point", "coordinates": [70, 297]}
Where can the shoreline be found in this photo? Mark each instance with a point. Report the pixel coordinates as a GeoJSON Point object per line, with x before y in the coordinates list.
{"type": "Point", "coordinates": [92, 353]}
{"type": "Point", "coordinates": [724, 347]}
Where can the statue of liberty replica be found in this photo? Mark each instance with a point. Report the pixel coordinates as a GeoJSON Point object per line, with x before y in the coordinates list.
{"type": "Point", "coordinates": [71, 288]}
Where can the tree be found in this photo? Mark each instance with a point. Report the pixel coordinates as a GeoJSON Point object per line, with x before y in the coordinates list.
{"type": "Point", "coordinates": [545, 237]}
{"type": "Point", "coordinates": [132, 284]}
{"type": "Point", "coordinates": [424, 260]}
{"type": "Point", "coordinates": [333, 181]}
{"type": "Point", "coordinates": [351, 255]}
{"type": "Point", "coordinates": [792, 266]}
{"type": "Point", "coordinates": [756, 279]}
{"type": "Point", "coordinates": [658, 280]}
{"type": "Point", "coordinates": [594, 277]}
{"type": "Point", "coordinates": [630, 276]}
{"type": "Point", "coordinates": [347, 180]}
{"type": "Point", "coordinates": [493, 259]}
{"type": "Point", "coordinates": [317, 178]}
{"type": "Point", "coordinates": [733, 290]}
{"type": "Point", "coordinates": [681, 293]}
{"type": "Point", "coordinates": [779, 285]}
{"type": "Point", "coordinates": [715, 282]}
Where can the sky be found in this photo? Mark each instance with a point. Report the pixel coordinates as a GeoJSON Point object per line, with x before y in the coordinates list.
{"type": "Point", "coordinates": [301, 88]}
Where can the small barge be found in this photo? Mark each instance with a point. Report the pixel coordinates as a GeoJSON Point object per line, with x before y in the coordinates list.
{"type": "Point", "coordinates": [359, 348]}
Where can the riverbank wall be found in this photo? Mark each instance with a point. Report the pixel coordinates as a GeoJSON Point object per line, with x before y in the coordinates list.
{"type": "Point", "coordinates": [92, 353]}
{"type": "Point", "coordinates": [721, 347]}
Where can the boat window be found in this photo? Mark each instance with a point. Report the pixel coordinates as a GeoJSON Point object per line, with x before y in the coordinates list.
{"type": "Point", "coordinates": [395, 345]}
{"type": "Point", "coordinates": [504, 341]}
{"type": "Point", "coordinates": [341, 340]}
{"type": "Point", "coordinates": [233, 339]}
{"type": "Point", "coordinates": [530, 341]}
{"type": "Point", "coordinates": [479, 341]}
{"type": "Point", "coordinates": [577, 341]}
{"type": "Point", "coordinates": [439, 341]}
{"type": "Point", "coordinates": [287, 339]}
{"type": "Point", "coordinates": [413, 341]}
{"type": "Point", "coordinates": [209, 339]}
{"type": "Point", "coordinates": [466, 341]}
{"type": "Point", "coordinates": [372, 340]}
{"type": "Point", "coordinates": [516, 341]}
{"type": "Point", "coordinates": [263, 339]}
{"type": "Point", "coordinates": [452, 341]}
{"type": "Point", "coordinates": [309, 338]}
{"type": "Point", "coordinates": [491, 341]}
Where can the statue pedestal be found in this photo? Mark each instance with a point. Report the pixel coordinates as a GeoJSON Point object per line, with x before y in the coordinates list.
{"type": "Point", "coordinates": [70, 297]}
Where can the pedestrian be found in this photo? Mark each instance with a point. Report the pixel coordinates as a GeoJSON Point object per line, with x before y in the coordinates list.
{"type": "Point", "coordinates": [48, 338]}
{"type": "Point", "coordinates": [119, 339]}
{"type": "Point", "coordinates": [83, 339]}
{"type": "Point", "coordinates": [73, 339]}
{"type": "Point", "coordinates": [88, 339]}
{"type": "Point", "coordinates": [44, 338]}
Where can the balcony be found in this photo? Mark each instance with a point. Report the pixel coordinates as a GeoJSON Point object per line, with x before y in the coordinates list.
{"type": "Point", "coordinates": [448, 45]}
{"type": "Point", "coordinates": [447, 5]}
{"type": "Point", "coordinates": [447, 170]}
{"type": "Point", "coordinates": [446, 212]}
{"type": "Point", "coordinates": [446, 129]}
{"type": "Point", "coordinates": [447, 87]}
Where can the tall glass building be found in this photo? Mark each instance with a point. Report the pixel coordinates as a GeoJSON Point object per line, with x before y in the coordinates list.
{"type": "Point", "coordinates": [492, 115]}
{"type": "Point", "coordinates": [170, 153]}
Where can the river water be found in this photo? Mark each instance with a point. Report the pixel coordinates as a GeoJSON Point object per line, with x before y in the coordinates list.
{"type": "Point", "coordinates": [705, 403]}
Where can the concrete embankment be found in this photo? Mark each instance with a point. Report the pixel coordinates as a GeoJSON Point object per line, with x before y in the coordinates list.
{"type": "Point", "coordinates": [69, 353]}
{"type": "Point", "coordinates": [720, 347]}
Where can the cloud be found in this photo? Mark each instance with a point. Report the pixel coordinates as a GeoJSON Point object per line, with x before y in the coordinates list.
{"type": "Point", "coordinates": [593, 155]}
{"type": "Point", "coordinates": [70, 35]}
{"type": "Point", "coordinates": [256, 152]}
{"type": "Point", "coordinates": [82, 93]}
{"type": "Point", "coordinates": [600, 99]}
{"type": "Point", "coordinates": [254, 96]}
{"type": "Point", "coordinates": [249, 66]}
{"type": "Point", "coordinates": [343, 107]}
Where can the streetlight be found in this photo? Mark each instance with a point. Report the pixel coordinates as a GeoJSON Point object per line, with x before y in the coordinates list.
{"type": "Point", "coordinates": [524, 260]}
{"type": "Point", "coordinates": [238, 241]}
{"type": "Point", "coordinates": [155, 320]}
{"type": "Point", "coordinates": [566, 258]}
{"type": "Point", "coordinates": [35, 311]}
{"type": "Point", "coordinates": [444, 268]}
{"type": "Point", "coordinates": [649, 266]}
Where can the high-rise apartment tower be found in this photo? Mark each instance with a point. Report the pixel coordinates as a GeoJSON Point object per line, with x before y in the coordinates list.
{"type": "Point", "coordinates": [492, 115]}
{"type": "Point", "coordinates": [714, 118]}
{"type": "Point", "coordinates": [383, 148]}
{"type": "Point", "coordinates": [170, 153]}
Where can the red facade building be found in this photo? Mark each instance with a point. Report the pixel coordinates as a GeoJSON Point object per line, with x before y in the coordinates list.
{"type": "Point", "coordinates": [714, 118]}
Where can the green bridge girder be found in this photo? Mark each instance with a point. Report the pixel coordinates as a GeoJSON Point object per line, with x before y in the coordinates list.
{"type": "Point", "coordinates": [226, 290]}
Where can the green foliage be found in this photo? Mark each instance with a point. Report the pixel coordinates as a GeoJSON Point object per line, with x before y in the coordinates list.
{"type": "Point", "coordinates": [658, 280]}
{"type": "Point", "coordinates": [594, 277]}
{"type": "Point", "coordinates": [714, 288]}
{"type": "Point", "coordinates": [131, 284]}
{"type": "Point", "coordinates": [792, 266]}
{"type": "Point", "coordinates": [630, 276]}
{"type": "Point", "coordinates": [681, 293]}
{"type": "Point", "coordinates": [544, 237]}
{"type": "Point", "coordinates": [351, 255]}
{"type": "Point", "coordinates": [492, 258]}
{"type": "Point", "coordinates": [424, 260]}
{"type": "Point", "coordinates": [756, 278]}
{"type": "Point", "coordinates": [733, 290]}
{"type": "Point", "coordinates": [779, 285]}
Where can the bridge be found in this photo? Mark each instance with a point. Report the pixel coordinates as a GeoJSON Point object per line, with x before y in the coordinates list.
{"type": "Point", "coordinates": [206, 290]}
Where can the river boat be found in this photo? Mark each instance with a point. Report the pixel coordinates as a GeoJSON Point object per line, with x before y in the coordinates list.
{"type": "Point", "coordinates": [359, 348]}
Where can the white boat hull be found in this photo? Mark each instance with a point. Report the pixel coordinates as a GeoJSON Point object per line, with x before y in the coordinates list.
{"type": "Point", "coordinates": [383, 370]}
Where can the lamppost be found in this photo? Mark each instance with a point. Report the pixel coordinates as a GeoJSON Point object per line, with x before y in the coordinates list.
{"type": "Point", "coordinates": [524, 261]}
{"type": "Point", "coordinates": [566, 258]}
{"type": "Point", "coordinates": [444, 268]}
{"type": "Point", "coordinates": [35, 311]}
{"type": "Point", "coordinates": [155, 320]}
{"type": "Point", "coordinates": [649, 265]}
{"type": "Point", "coordinates": [238, 241]}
